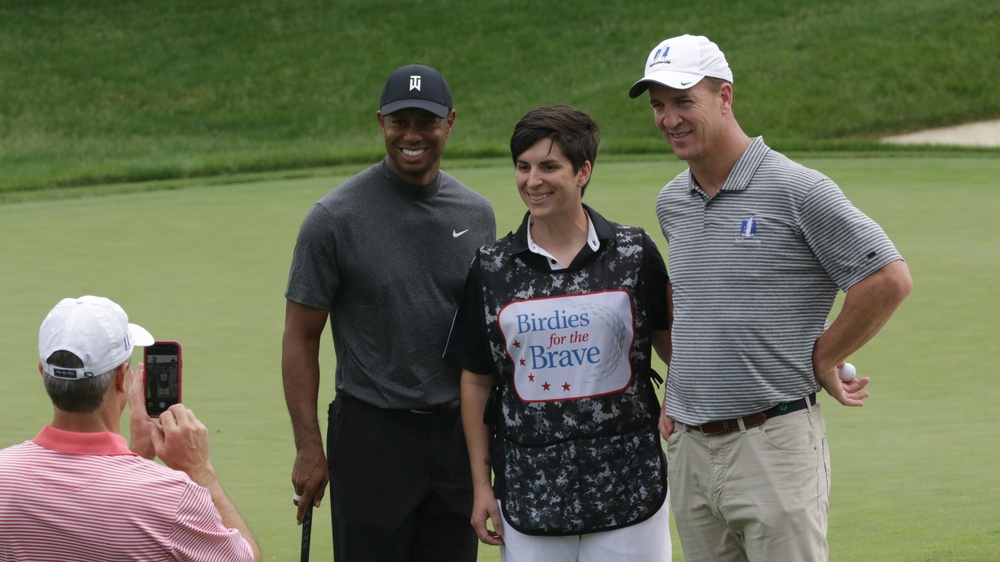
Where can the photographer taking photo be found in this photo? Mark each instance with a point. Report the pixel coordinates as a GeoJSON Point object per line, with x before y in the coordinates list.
{"type": "Point", "coordinates": [77, 491]}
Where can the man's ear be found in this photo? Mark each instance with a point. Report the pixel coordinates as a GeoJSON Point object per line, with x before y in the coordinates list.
{"type": "Point", "coordinates": [449, 122]}
{"type": "Point", "coordinates": [726, 92]}
{"type": "Point", "coordinates": [121, 377]}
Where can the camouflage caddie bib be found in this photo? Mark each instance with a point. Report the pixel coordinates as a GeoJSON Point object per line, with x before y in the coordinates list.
{"type": "Point", "coordinates": [577, 412]}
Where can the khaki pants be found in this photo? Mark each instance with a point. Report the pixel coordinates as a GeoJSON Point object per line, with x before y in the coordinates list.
{"type": "Point", "coordinates": [761, 494]}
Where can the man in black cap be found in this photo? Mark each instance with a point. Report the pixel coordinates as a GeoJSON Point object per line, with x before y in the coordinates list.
{"type": "Point", "coordinates": [384, 257]}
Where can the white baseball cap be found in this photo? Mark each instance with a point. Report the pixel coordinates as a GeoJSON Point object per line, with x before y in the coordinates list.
{"type": "Point", "coordinates": [95, 329]}
{"type": "Point", "coordinates": [681, 62]}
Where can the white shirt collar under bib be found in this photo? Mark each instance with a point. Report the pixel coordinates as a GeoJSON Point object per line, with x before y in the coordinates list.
{"type": "Point", "coordinates": [554, 264]}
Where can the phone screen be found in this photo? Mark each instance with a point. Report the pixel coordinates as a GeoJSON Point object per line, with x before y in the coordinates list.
{"type": "Point", "coordinates": [163, 376]}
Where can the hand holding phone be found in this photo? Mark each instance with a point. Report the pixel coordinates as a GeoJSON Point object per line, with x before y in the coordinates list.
{"type": "Point", "coordinates": [163, 376]}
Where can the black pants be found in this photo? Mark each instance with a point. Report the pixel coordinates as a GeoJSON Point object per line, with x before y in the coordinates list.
{"type": "Point", "coordinates": [400, 485]}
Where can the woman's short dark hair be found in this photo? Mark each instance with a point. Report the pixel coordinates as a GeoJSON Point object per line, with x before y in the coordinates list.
{"type": "Point", "coordinates": [572, 130]}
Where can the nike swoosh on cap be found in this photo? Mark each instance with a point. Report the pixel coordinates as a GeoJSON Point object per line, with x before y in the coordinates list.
{"type": "Point", "coordinates": [456, 234]}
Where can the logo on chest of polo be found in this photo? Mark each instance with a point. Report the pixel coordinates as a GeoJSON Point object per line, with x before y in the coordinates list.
{"type": "Point", "coordinates": [748, 231]}
{"type": "Point", "coordinates": [569, 347]}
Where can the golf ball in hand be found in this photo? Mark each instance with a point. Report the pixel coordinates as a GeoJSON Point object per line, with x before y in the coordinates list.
{"type": "Point", "coordinates": [847, 372]}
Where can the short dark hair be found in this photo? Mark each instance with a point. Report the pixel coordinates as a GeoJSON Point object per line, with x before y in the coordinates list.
{"type": "Point", "coordinates": [80, 396]}
{"type": "Point", "coordinates": [573, 130]}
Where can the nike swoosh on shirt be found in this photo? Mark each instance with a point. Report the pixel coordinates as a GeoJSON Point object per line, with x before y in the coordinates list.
{"type": "Point", "coordinates": [456, 234]}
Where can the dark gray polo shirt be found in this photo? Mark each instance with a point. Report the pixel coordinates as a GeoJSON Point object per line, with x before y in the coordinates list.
{"type": "Point", "coordinates": [389, 260]}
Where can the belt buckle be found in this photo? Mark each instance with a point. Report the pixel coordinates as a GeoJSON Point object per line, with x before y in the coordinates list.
{"type": "Point", "coordinates": [725, 428]}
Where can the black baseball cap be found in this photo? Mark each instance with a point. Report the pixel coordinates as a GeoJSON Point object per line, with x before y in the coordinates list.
{"type": "Point", "coordinates": [417, 86]}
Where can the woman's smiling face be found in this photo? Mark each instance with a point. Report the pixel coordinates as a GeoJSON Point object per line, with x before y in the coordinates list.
{"type": "Point", "coordinates": [547, 182]}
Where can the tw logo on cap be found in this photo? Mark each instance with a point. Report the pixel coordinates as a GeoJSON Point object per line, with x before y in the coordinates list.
{"type": "Point", "coordinates": [415, 83]}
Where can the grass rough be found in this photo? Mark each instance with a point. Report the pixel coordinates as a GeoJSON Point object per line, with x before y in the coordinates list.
{"type": "Point", "coordinates": [127, 91]}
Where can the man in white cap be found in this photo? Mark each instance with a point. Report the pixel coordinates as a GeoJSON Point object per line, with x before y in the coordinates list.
{"type": "Point", "coordinates": [383, 258]}
{"type": "Point", "coordinates": [78, 492]}
{"type": "Point", "coordinates": [758, 248]}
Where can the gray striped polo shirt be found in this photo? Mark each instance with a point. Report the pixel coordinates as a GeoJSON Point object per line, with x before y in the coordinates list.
{"type": "Point", "coordinates": [755, 271]}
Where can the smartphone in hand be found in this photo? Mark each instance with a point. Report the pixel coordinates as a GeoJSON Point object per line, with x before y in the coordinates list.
{"type": "Point", "coordinates": [163, 376]}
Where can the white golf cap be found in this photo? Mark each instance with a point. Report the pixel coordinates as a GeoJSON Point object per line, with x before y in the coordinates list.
{"type": "Point", "coordinates": [95, 329]}
{"type": "Point", "coordinates": [681, 62]}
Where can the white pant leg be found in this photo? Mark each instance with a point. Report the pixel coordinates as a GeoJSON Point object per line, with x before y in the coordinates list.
{"type": "Point", "coordinates": [519, 547]}
{"type": "Point", "coordinates": [648, 541]}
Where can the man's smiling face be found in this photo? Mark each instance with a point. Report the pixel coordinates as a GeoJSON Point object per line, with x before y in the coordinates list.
{"type": "Point", "coordinates": [414, 143]}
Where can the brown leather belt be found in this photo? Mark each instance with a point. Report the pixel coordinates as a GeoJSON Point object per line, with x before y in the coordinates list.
{"type": "Point", "coordinates": [753, 420]}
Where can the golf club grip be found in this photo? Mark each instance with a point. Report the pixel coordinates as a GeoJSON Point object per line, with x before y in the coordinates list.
{"type": "Point", "coordinates": [307, 522]}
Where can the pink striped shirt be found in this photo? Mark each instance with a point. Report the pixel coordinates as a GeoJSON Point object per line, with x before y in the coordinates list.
{"type": "Point", "coordinates": [67, 496]}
